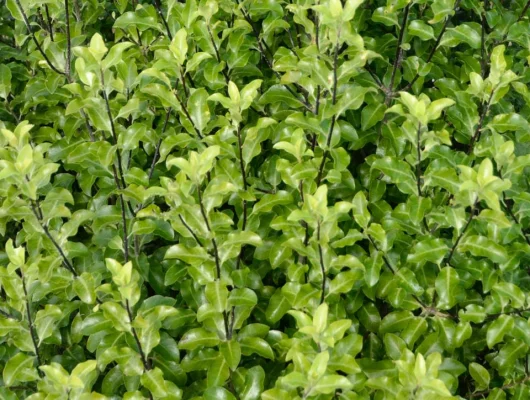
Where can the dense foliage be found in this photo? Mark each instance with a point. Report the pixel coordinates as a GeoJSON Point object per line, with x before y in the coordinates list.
{"type": "Point", "coordinates": [264, 199]}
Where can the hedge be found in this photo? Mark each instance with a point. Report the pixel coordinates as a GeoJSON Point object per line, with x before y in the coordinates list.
{"type": "Point", "coordinates": [264, 199]}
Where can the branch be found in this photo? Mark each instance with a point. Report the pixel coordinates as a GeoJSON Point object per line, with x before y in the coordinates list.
{"type": "Point", "coordinates": [68, 40]}
{"type": "Point", "coordinates": [334, 118]}
{"type": "Point", "coordinates": [28, 27]}
{"type": "Point", "coordinates": [145, 360]}
{"type": "Point", "coordinates": [113, 129]}
{"type": "Point", "coordinates": [30, 323]}
{"type": "Point", "coordinates": [394, 270]}
{"type": "Point", "coordinates": [397, 60]}
{"type": "Point", "coordinates": [322, 266]}
{"type": "Point", "coordinates": [471, 215]}
{"type": "Point", "coordinates": [508, 386]}
{"type": "Point", "coordinates": [262, 45]}
{"type": "Point", "coordinates": [50, 25]}
{"type": "Point", "coordinates": [35, 207]}
{"type": "Point", "coordinates": [433, 51]}
{"type": "Point", "coordinates": [215, 254]}
{"type": "Point", "coordinates": [476, 135]}
{"type": "Point", "coordinates": [523, 12]}
{"type": "Point", "coordinates": [159, 10]}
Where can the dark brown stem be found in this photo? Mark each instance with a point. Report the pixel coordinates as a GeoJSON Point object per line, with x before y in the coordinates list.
{"type": "Point", "coordinates": [322, 266]}
{"type": "Point", "coordinates": [113, 131]}
{"type": "Point", "coordinates": [434, 49]}
{"type": "Point", "coordinates": [68, 40]}
{"type": "Point", "coordinates": [217, 54]}
{"type": "Point", "coordinates": [483, 61]}
{"type": "Point", "coordinates": [216, 256]}
{"type": "Point", "coordinates": [30, 323]}
{"type": "Point", "coordinates": [476, 135]}
{"type": "Point", "coordinates": [453, 249]}
{"type": "Point", "coordinates": [125, 236]}
{"type": "Point", "coordinates": [333, 119]}
{"type": "Point", "coordinates": [186, 112]}
{"type": "Point", "coordinates": [418, 167]}
{"type": "Point", "coordinates": [145, 360]}
{"type": "Point", "coordinates": [35, 207]}
{"type": "Point", "coordinates": [48, 18]}
{"type": "Point", "coordinates": [157, 148]}
{"type": "Point", "coordinates": [397, 60]}
{"type": "Point", "coordinates": [34, 38]}
{"type": "Point", "coordinates": [159, 10]}
{"type": "Point", "coordinates": [523, 12]}
{"type": "Point", "coordinates": [190, 230]}
{"type": "Point", "coordinates": [262, 46]}
{"type": "Point", "coordinates": [484, 393]}
{"type": "Point", "coordinates": [394, 270]}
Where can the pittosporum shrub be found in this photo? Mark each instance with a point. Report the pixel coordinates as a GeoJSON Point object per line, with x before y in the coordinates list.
{"type": "Point", "coordinates": [263, 199]}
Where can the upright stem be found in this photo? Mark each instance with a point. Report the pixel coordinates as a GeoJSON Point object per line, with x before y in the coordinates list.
{"type": "Point", "coordinates": [433, 50]}
{"type": "Point", "coordinates": [418, 155]}
{"type": "Point", "coordinates": [215, 254]}
{"type": "Point", "coordinates": [476, 135]}
{"type": "Point", "coordinates": [35, 207]}
{"type": "Point", "coordinates": [322, 266]}
{"type": "Point", "coordinates": [113, 130]}
{"type": "Point", "coordinates": [48, 18]}
{"type": "Point", "coordinates": [523, 12]}
{"type": "Point", "coordinates": [471, 215]}
{"type": "Point", "coordinates": [397, 59]}
{"type": "Point", "coordinates": [333, 119]}
{"type": "Point", "coordinates": [68, 40]}
{"type": "Point", "coordinates": [159, 10]}
{"type": "Point", "coordinates": [125, 234]}
{"type": "Point", "coordinates": [34, 38]}
{"type": "Point", "coordinates": [145, 360]}
{"type": "Point", "coordinates": [30, 323]}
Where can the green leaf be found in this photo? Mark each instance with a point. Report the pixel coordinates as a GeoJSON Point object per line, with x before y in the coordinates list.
{"type": "Point", "coordinates": [19, 368]}
{"type": "Point", "coordinates": [480, 375]}
{"type": "Point", "coordinates": [198, 337]}
{"type": "Point", "coordinates": [481, 246]}
{"type": "Point", "coordinates": [498, 329]}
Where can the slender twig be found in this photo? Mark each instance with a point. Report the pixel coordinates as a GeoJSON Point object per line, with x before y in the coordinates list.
{"type": "Point", "coordinates": [262, 46]}
{"type": "Point", "coordinates": [523, 12]}
{"type": "Point", "coordinates": [418, 162]}
{"type": "Point", "coordinates": [484, 393]}
{"type": "Point", "coordinates": [159, 10]}
{"type": "Point", "coordinates": [483, 61]}
{"type": "Point", "coordinates": [186, 112]}
{"type": "Point", "coordinates": [35, 207]}
{"type": "Point", "coordinates": [217, 54]}
{"type": "Point", "coordinates": [476, 134]}
{"type": "Point", "coordinates": [145, 360]}
{"type": "Point", "coordinates": [322, 266]}
{"type": "Point", "coordinates": [125, 233]}
{"type": "Point", "coordinates": [68, 40]}
{"type": "Point", "coordinates": [190, 230]}
{"type": "Point", "coordinates": [113, 130]}
{"type": "Point", "coordinates": [399, 50]}
{"type": "Point", "coordinates": [158, 144]}
{"type": "Point", "coordinates": [7, 315]}
{"type": "Point", "coordinates": [434, 49]}
{"type": "Point", "coordinates": [333, 119]}
{"type": "Point", "coordinates": [461, 235]}
{"type": "Point", "coordinates": [508, 208]}
{"type": "Point", "coordinates": [50, 25]}
{"type": "Point", "coordinates": [215, 254]}
{"type": "Point", "coordinates": [30, 323]}
{"type": "Point", "coordinates": [393, 269]}
{"type": "Point", "coordinates": [37, 44]}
